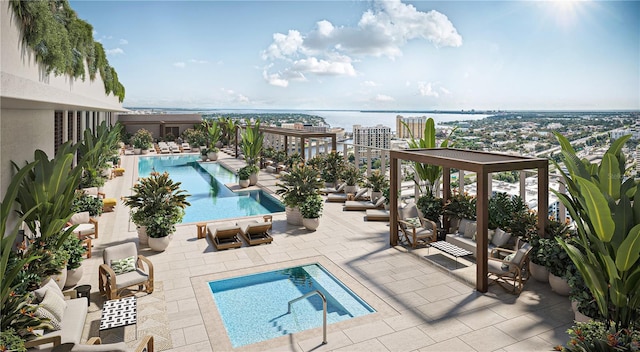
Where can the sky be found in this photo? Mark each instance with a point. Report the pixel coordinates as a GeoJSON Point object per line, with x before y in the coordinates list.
{"type": "Point", "coordinates": [372, 55]}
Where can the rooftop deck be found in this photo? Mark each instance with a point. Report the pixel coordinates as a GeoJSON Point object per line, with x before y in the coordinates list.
{"type": "Point", "coordinates": [419, 305]}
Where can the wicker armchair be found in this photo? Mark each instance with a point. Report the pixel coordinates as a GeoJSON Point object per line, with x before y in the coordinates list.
{"type": "Point", "coordinates": [112, 284]}
{"type": "Point", "coordinates": [511, 272]}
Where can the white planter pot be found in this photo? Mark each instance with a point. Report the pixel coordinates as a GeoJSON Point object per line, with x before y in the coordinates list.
{"type": "Point", "coordinates": [73, 276]}
{"type": "Point", "coordinates": [539, 272]}
{"type": "Point", "coordinates": [329, 184]}
{"type": "Point", "coordinates": [160, 244]}
{"type": "Point", "coordinates": [375, 195]}
{"type": "Point", "coordinates": [351, 189]}
{"type": "Point", "coordinates": [559, 285]}
{"type": "Point", "coordinates": [293, 216]}
{"type": "Point", "coordinates": [137, 150]}
{"type": "Point", "coordinates": [61, 278]}
{"type": "Point", "coordinates": [311, 224]}
{"type": "Point", "coordinates": [253, 179]}
{"type": "Point", "coordinates": [203, 157]}
{"type": "Point", "coordinates": [143, 238]}
{"type": "Point", "coordinates": [145, 151]}
{"type": "Point", "coordinates": [213, 156]}
{"type": "Point", "coordinates": [244, 183]}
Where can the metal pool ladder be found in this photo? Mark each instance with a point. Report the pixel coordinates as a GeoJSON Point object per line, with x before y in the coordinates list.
{"type": "Point", "coordinates": [324, 310]}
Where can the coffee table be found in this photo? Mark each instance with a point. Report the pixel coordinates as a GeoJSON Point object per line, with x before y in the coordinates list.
{"type": "Point", "coordinates": [450, 249]}
{"type": "Point", "coordinates": [118, 313]}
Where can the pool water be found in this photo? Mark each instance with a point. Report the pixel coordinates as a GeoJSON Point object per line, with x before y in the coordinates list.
{"type": "Point", "coordinates": [210, 199]}
{"type": "Point", "coordinates": [254, 307]}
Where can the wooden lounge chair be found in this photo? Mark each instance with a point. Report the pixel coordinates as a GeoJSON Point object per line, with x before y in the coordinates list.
{"type": "Point", "coordinates": [224, 235]}
{"type": "Point", "coordinates": [342, 197]}
{"type": "Point", "coordinates": [256, 232]}
{"type": "Point", "coordinates": [377, 215]}
{"type": "Point", "coordinates": [330, 190]}
{"type": "Point", "coordinates": [414, 228]}
{"type": "Point", "coordinates": [364, 205]}
{"type": "Point", "coordinates": [511, 272]}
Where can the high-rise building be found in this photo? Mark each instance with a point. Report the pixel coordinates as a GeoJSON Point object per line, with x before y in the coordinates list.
{"type": "Point", "coordinates": [638, 162]}
{"type": "Point", "coordinates": [378, 136]}
{"type": "Point", "coordinates": [415, 125]}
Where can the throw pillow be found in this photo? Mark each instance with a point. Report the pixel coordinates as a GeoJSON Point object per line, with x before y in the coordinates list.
{"type": "Point", "coordinates": [52, 307]}
{"type": "Point", "coordinates": [50, 284]}
{"type": "Point", "coordinates": [80, 218]}
{"type": "Point", "coordinates": [415, 222]}
{"type": "Point", "coordinates": [462, 226]}
{"type": "Point", "coordinates": [380, 201]}
{"type": "Point", "coordinates": [500, 238]}
{"type": "Point", "coordinates": [470, 230]}
{"type": "Point", "coordinates": [509, 258]}
{"type": "Point", "coordinates": [124, 265]}
{"type": "Point", "coordinates": [341, 187]}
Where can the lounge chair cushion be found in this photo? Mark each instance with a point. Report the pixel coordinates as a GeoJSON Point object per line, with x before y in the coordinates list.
{"type": "Point", "coordinates": [380, 201]}
{"type": "Point", "coordinates": [360, 193]}
{"type": "Point", "coordinates": [470, 230]}
{"type": "Point", "coordinates": [500, 238]}
{"type": "Point", "coordinates": [131, 278]}
{"type": "Point", "coordinates": [80, 218]}
{"type": "Point", "coordinates": [213, 228]}
{"type": "Point", "coordinates": [341, 187]}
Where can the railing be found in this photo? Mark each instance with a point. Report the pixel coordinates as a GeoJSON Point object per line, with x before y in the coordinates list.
{"type": "Point", "coordinates": [324, 310]}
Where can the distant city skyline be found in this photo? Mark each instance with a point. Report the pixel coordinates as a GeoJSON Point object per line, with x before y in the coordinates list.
{"type": "Point", "coordinates": [372, 55]}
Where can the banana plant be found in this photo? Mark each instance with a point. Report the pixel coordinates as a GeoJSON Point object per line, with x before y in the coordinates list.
{"type": "Point", "coordinates": [214, 134]}
{"type": "Point", "coordinates": [606, 211]}
{"type": "Point", "coordinates": [427, 172]}
{"type": "Point", "coordinates": [252, 140]}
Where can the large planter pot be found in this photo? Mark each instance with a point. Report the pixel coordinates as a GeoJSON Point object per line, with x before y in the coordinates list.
{"type": "Point", "coordinates": [253, 179]}
{"type": "Point", "coordinates": [311, 224]}
{"type": "Point", "coordinates": [213, 156]}
{"type": "Point", "coordinates": [143, 238]}
{"type": "Point", "coordinates": [145, 151]}
{"type": "Point", "coordinates": [539, 272]}
{"type": "Point", "coordinates": [375, 195]}
{"type": "Point", "coordinates": [73, 276]}
{"type": "Point", "coordinates": [577, 315]}
{"type": "Point", "coordinates": [559, 285]}
{"type": "Point", "coordinates": [244, 183]}
{"type": "Point", "coordinates": [137, 150]}
{"type": "Point", "coordinates": [350, 189]}
{"type": "Point", "coordinates": [293, 216]}
{"type": "Point", "coordinates": [61, 278]}
{"type": "Point", "coordinates": [160, 244]}
{"type": "Point", "coordinates": [203, 157]}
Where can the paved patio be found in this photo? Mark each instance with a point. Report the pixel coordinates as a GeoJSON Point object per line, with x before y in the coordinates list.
{"type": "Point", "coordinates": [420, 306]}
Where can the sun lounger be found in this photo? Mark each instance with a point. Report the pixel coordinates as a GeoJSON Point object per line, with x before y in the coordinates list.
{"type": "Point", "coordinates": [377, 215]}
{"type": "Point", "coordinates": [331, 190]}
{"type": "Point", "coordinates": [342, 197]}
{"type": "Point", "coordinates": [186, 147]}
{"type": "Point", "coordinates": [224, 235]}
{"type": "Point", "coordinates": [364, 205]}
{"type": "Point", "coordinates": [256, 232]}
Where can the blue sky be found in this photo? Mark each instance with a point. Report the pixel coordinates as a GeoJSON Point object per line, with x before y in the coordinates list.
{"type": "Point", "coordinates": [542, 55]}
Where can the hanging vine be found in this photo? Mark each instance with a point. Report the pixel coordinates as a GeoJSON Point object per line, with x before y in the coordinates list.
{"type": "Point", "coordinates": [62, 42]}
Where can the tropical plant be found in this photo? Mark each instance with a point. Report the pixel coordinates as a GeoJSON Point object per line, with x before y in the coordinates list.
{"type": "Point", "coordinates": [352, 175]}
{"type": "Point", "coordinates": [333, 167]}
{"type": "Point", "coordinates": [302, 182]}
{"type": "Point", "coordinates": [601, 336]}
{"type": "Point", "coordinates": [311, 208]}
{"type": "Point", "coordinates": [377, 181]}
{"type": "Point", "coordinates": [503, 209]}
{"type": "Point", "coordinates": [84, 202]}
{"type": "Point", "coordinates": [252, 140]}
{"type": "Point", "coordinates": [75, 250]}
{"type": "Point", "coordinates": [157, 203]}
{"type": "Point", "coordinates": [215, 132]}
{"type": "Point", "coordinates": [426, 172]}
{"type": "Point", "coordinates": [293, 159]}
{"type": "Point", "coordinates": [194, 137]}
{"type": "Point", "coordinates": [607, 249]}
{"type": "Point", "coordinates": [430, 206]}
{"type": "Point", "coordinates": [11, 341]}
{"type": "Point", "coordinates": [460, 205]}
{"type": "Point", "coordinates": [244, 173]}
{"type": "Point", "coordinates": [142, 139]}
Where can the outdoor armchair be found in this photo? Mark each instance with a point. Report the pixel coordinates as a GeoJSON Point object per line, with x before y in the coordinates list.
{"type": "Point", "coordinates": [510, 272]}
{"type": "Point", "coordinates": [414, 227]}
{"type": "Point", "coordinates": [123, 268]}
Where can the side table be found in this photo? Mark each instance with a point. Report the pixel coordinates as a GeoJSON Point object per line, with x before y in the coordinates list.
{"type": "Point", "coordinates": [202, 229]}
{"type": "Point", "coordinates": [84, 291]}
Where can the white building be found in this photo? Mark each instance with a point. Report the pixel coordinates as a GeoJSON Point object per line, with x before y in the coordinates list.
{"type": "Point", "coordinates": [378, 136]}
{"type": "Point", "coordinates": [40, 110]}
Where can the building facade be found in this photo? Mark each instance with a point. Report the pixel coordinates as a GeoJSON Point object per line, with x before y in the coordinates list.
{"type": "Point", "coordinates": [415, 126]}
{"type": "Point", "coordinates": [377, 137]}
{"type": "Point", "coordinates": [40, 110]}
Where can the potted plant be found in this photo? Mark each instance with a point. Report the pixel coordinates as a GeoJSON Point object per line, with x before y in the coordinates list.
{"type": "Point", "coordinates": [142, 141]}
{"type": "Point", "coordinates": [253, 174]}
{"type": "Point", "coordinates": [212, 153]}
{"type": "Point", "coordinates": [204, 153]}
{"type": "Point", "coordinates": [311, 209]}
{"type": "Point", "coordinates": [243, 176]}
{"type": "Point", "coordinates": [11, 341]}
{"type": "Point", "coordinates": [157, 203]}
{"type": "Point", "coordinates": [74, 248]}
{"type": "Point", "coordinates": [377, 181]}
{"type": "Point", "coordinates": [538, 258]}
{"type": "Point", "coordinates": [601, 336]}
{"type": "Point", "coordinates": [431, 207]}
{"type": "Point", "coordinates": [353, 176]}
{"type": "Point", "coordinates": [332, 168]}
{"type": "Point", "coordinates": [252, 140]}
{"type": "Point", "coordinates": [295, 187]}
{"type": "Point", "coordinates": [84, 202]}
{"type": "Point", "coordinates": [459, 206]}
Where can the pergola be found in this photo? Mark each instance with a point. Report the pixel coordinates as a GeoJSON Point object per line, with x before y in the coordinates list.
{"type": "Point", "coordinates": [482, 163]}
{"type": "Point", "coordinates": [289, 132]}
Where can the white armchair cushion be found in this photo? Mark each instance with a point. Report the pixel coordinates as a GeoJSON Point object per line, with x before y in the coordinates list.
{"type": "Point", "coordinates": [50, 284]}
{"type": "Point", "coordinates": [131, 278]}
{"type": "Point", "coordinates": [80, 218]}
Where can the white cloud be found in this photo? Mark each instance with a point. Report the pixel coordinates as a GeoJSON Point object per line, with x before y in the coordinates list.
{"type": "Point", "coordinates": [426, 90]}
{"type": "Point", "coordinates": [116, 51]}
{"type": "Point", "coordinates": [194, 61]}
{"type": "Point", "coordinates": [232, 96]}
{"type": "Point", "coordinates": [179, 64]}
{"type": "Point", "coordinates": [123, 42]}
{"type": "Point", "coordinates": [369, 84]}
{"type": "Point", "coordinates": [381, 31]}
{"type": "Point", "coordinates": [445, 90]}
{"type": "Point", "coordinates": [275, 79]}
{"type": "Point", "coordinates": [383, 98]}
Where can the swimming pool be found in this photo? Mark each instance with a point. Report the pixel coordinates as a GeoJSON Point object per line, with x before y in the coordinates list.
{"type": "Point", "coordinates": [210, 199]}
{"type": "Point", "coordinates": [254, 307]}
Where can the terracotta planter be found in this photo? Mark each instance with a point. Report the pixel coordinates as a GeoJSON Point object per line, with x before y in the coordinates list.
{"type": "Point", "coordinates": [293, 216]}
{"type": "Point", "coordinates": [311, 224]}
{"type": "Point", "coordinates": [253, 179]}
{"type": "Point", "coordinates": [73, 276]}
{"type": "Point", "coordinates": [160, 244]}
{"type": "Point", "coordinates": [559, 285]}
{"type": "Point", "coordinates": [244, 183]}
{"type": "Point", "coordinates": [143, 238]}
{"type": "Point", "coordinates": [539, 272]}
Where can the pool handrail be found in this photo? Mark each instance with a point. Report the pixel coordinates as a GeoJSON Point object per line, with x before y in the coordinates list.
{"type": "Point", "coordinates": [324, 310]}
